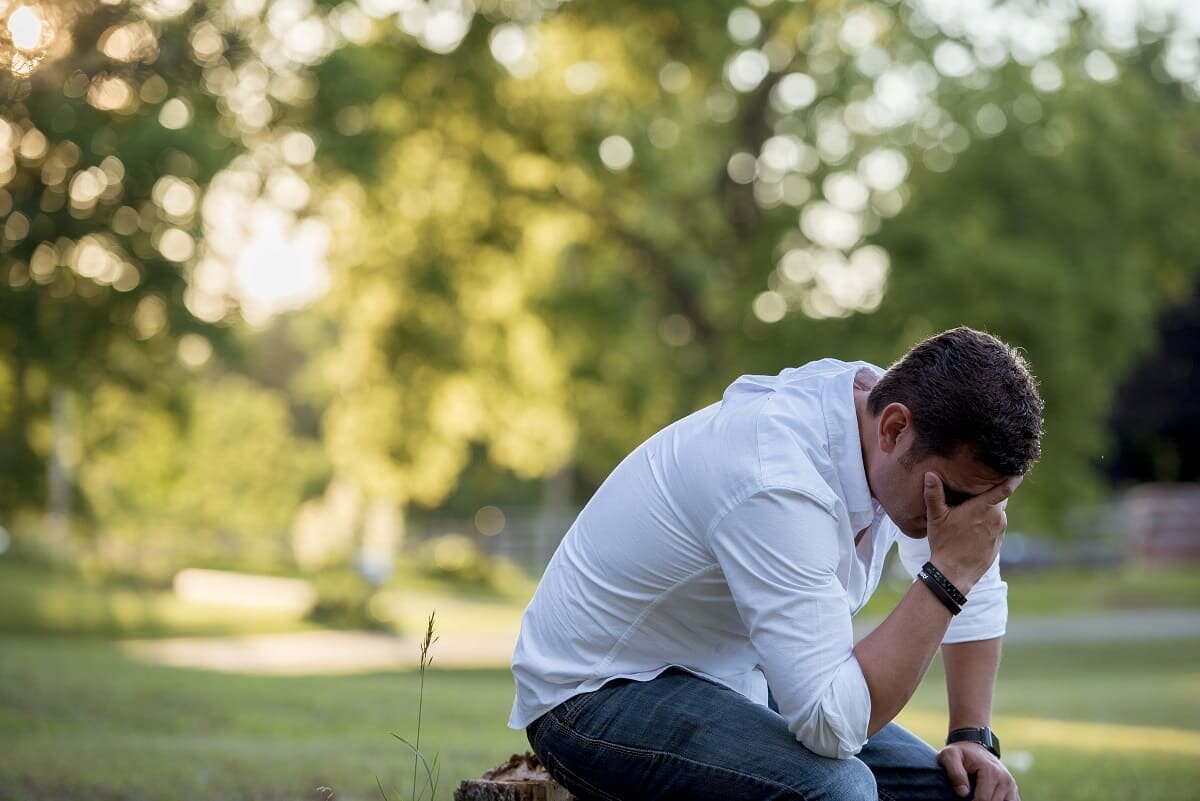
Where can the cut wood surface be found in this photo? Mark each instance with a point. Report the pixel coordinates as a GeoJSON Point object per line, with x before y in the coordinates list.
{"type": "Point", "coordinates": [521, 778]}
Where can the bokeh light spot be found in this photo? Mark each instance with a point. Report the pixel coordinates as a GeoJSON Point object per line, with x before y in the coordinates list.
{"type": "Point", "coordinates": [616, 152]}
{"type": "Point", "coordinates": [175, 114]}
{"type": "Point", "coordinates": [489, 521]}
{"type": "Point", "coordinates": [770, 307]}
{"type": "Point", "coordinates": [25, 26]}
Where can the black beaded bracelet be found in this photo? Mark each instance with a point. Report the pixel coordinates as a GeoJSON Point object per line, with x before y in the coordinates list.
{"type": "Point", "coordinates": [938, 590]}
{"type": "Point", "coordinates": [947, 585]}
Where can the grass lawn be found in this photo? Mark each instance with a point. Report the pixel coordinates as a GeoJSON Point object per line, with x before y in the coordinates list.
{"type": "Point", "coordinates": [37, 600]}
{"type": "Point", "coordinates": [34, 600]}
{"type": "Point", "coordinates": [1066, 591]}
{"type": "Point", "coordinates": [80, 721]}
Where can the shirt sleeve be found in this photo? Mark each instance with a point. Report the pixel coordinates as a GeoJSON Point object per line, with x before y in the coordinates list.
{"type": "Point", "coordinates": [779, 553]}
{"type": "Point", "coordinates": [985, 616]}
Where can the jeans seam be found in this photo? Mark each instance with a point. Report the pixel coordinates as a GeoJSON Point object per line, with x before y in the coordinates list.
{"type": "Point", "coordinates": [570, 710]}
{"type": "Point", "coordinates": [604, 744]}
{"type": "Point", "coordinates": [649, 753]}
{"type": "Point", "coordinates": [559, 767]}
{"type": "Point", "coordinates": [884, 795]}
{"type": "Point", "coordinates": [535, 736]}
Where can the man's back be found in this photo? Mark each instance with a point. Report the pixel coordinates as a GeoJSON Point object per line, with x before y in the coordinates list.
{"type": "Point", "coordinates": [635, 586]}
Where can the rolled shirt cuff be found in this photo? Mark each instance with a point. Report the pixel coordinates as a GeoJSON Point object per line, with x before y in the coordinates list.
{"type": "Point", "coordinates": [837, 726]}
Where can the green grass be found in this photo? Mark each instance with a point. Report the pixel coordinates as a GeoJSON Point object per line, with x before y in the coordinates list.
{"type": "Point", "coordinates": [80, 721]}
{"type": "Point", "coordinates": [34, 600]}
{"type": "Point", "coordinates": [1066, 591]}
{"type": "Point", "coordinates": [1095, 722]}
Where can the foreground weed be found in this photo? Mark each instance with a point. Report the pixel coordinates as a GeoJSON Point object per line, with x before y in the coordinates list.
{"type": "Point", "coordinates": [432, 770]}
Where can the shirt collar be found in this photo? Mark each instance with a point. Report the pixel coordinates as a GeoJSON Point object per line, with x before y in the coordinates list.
{"type": "Point", "coordinates": [845, 445]}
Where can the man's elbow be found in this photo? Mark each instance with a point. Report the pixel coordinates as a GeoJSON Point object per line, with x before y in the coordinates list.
{"type": "Point", "coordinates": [828, 735]}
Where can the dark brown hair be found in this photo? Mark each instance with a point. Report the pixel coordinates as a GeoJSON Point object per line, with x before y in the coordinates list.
{"type": "Point", "coordinates": [966, 388]}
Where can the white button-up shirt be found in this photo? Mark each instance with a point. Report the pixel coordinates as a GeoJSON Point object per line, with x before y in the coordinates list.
{"type": "Point", "coordinates": [725, 545]}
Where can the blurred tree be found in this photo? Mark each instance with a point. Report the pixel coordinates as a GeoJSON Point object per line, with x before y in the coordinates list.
{"type": "Point", "coordinates": [558, 228]}
{"type": "Point", "coordinates": [714, 195]}
{"type": "Point", "coordinates": [117, 268]}
{"type": "Point", "coordinates": [1066, 235]}
{"type": "Point", "coordinates": [106, 139]}
{"type": "Point", "coordinates": [216, 486]}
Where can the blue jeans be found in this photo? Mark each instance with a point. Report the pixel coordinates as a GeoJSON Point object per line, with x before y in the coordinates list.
{"type": "Point", "coordinates": [683, 737]}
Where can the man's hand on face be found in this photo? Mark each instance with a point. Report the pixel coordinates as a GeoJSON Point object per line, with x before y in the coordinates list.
{"type": "Point", "coordinates": [964, 540]}
{"type": "Point", "coordinates": [993, 782]}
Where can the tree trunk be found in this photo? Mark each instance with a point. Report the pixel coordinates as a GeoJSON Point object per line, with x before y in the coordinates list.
{"type": "Point", "coordinates": [484, 790]}
{"type": "Point", "coordinates": [18, 464]}
{"type": "Point", "coordinates": [58, 474]}
{"type": "Point", "coordinates": [553, 517]}
{"type": "Point", "coordinates": [383, 535]}
{"type": "Point", "coordinates": [521, 778]}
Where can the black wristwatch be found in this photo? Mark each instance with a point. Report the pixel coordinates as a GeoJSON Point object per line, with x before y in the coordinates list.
{"type": "Point", "coordinates": [985, 737]}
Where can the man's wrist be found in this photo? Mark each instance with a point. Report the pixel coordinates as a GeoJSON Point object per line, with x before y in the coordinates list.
{"type": "Point", "coordinates": [946, 593]}
{"type": "Point", "coordinates": [983, 736]}
{"type": "Point", "coordinates": [961, 578]}
{"type": "Point", "coordinates": [958, 725]}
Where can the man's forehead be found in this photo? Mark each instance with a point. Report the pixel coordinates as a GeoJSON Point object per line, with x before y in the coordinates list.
{"type": "Point", "coordinates": [966, 475]}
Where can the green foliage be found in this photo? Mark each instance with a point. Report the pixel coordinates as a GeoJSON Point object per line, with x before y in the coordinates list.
{"type": "Point", "coordinates": [458, 558]}
{"type": "Point", "coordinates": [89, 292]}
{"type": "Point", "coordinates": [344, 600]}
{"type": "Point", "coordinates": [485, 207]}
{"type": "Point", "coordinates": [218, 486]}
{"type": "Point", "coordinates": [559, 234]}
{"type": "Point", "coordinates": [1069, 253]}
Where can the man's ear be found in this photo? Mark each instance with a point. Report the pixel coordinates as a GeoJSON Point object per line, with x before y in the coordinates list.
{"type": "Point", "coordinates": [895, 425]}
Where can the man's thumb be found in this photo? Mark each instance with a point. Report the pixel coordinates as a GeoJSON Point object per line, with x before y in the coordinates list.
{"type": "Point", "coordinates": [935, 498]}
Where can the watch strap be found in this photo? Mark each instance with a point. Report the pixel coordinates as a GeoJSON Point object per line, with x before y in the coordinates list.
{"type": "Point", "coordinates": [984, 736]}
{"type": "Point", "coordinates": [945, 583]}
{"type": "Point", "coordinates": [938, 590]}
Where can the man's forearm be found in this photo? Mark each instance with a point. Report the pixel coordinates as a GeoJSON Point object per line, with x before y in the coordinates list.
{"type": "Point", "coordinates": [895, 656]}
{"type": "Point", "coordinates": [970, 680]}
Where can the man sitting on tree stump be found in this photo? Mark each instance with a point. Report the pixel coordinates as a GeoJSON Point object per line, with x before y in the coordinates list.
{"type": "Point", "coordinates": [691, 638]}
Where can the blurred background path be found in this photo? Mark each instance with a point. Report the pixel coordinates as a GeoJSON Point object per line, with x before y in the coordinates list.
{"type": "Point", "coordinates": [334, 652]}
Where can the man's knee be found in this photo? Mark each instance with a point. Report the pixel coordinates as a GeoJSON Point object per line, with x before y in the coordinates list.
{"type": "Point", "coordinates": [852, 781]}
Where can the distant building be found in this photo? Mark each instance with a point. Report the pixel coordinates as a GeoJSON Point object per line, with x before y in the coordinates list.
{"type": "Point", "coordinates": [1163, 521]}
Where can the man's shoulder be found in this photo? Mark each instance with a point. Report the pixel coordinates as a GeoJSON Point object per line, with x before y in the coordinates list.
{"type": "Point", "coordinates": [774, 431]}
{"type": "Point", "coordinates": [811, 409]}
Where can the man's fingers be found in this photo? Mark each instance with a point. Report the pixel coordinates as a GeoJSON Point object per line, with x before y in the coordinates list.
{"type": "Point", "coordinates": [956, 771]}
{"type": "Point", "coordinates": [1001, 491]}
{"type": "Point", "coordinates": [935, 497]}
{"type": "Point", "coordinates": [986, 786]}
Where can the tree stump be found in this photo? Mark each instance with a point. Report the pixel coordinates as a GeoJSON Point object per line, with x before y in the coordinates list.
{"type": "Point", "coordinates": [521, 778]}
